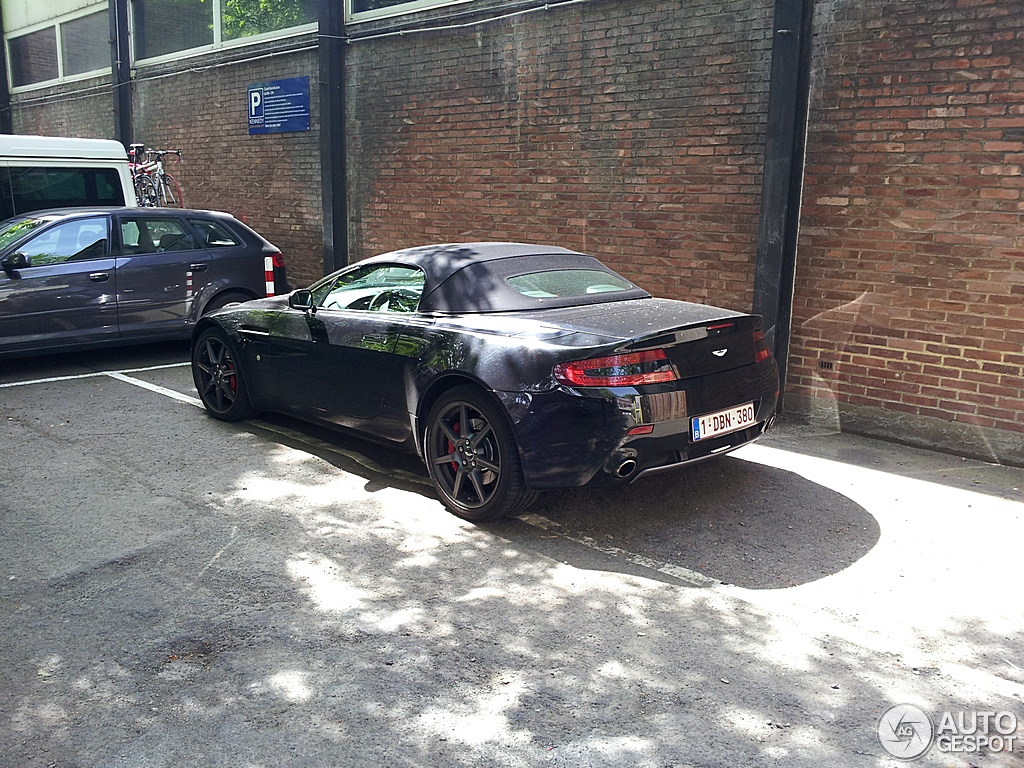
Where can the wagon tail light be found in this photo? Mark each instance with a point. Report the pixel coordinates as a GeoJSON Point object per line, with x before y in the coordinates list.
{"type": "Point", "coordinates": [626, 370]}
{"type": "Point", "coordinates": [270, 263]}
{"type": "Point", "coordinates": [761, 351]}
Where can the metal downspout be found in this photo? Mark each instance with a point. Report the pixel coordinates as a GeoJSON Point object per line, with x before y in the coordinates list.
{"type": "Point", "coordinates": [333, 176]}
{"type": "Point", "coordinates": [782, 182]}
{"type": "Point", "coordinates": [6, 119]}
{"type": "Point", "coordinates": [120, 71]}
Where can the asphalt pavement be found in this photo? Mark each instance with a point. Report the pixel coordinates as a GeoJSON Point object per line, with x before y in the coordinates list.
{"type": "Point", "coordinates": [177, 591]}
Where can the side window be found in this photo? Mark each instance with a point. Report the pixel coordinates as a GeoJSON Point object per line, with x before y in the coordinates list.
{"type": "Point", "coordinates": [35, 188]}
{"type": "Point", "coordinates": [374, 289]}
{"type": "Point", "coordinates": [78, 240]}
{"type": "Point", "coordinates": [141, 235]}
{"type": "Point", "coordinates": [214, 234]}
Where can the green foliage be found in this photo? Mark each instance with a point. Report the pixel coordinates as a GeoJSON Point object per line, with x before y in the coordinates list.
{"type": "Point", "coordinates": [243, 18]}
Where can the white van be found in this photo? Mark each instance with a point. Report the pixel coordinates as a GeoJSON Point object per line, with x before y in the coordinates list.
{"type": "Point", "coordinates": [38, 172]}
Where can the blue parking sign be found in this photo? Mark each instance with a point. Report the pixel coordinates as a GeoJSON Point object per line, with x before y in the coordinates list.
{"type": "Point", "coordinates": [279, 106]}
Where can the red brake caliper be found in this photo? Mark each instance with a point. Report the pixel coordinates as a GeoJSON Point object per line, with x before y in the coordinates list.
{"type": "Point", "coordinates": [451, 446]}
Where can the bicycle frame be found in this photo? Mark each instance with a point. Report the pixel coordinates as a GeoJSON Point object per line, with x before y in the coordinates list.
{"type": "Point", "coordinates": [153, 185]}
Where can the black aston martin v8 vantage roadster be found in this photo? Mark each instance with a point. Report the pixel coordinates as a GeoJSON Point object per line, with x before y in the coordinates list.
{"type": "Point", "coordinates": [509, 368]}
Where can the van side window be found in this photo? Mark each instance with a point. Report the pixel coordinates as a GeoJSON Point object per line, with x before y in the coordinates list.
{"type": "Point", "coordinates": [36, 188]}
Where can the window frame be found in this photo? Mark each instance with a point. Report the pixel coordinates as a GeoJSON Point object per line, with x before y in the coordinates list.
{"type": "Point", "coordinates": [219, 43]}
{"type": "Point", "coordinates": [400, 9]}
{"type": "Point", "coordinates": [55, 24]}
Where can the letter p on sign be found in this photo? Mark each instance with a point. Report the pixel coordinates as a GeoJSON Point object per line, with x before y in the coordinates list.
{"type": "Point", "coordinates": [255, 106]}
{"type": "Point", "coordinates": [256, 102]}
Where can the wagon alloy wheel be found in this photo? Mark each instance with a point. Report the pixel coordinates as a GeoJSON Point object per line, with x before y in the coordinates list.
{"type": "Point", "coordinates": [472, 458]}
{"type": "Point", "coordinates": [218, 379]}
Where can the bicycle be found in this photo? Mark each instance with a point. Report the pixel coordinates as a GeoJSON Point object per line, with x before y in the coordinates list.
{"type": "Point", "coordinates": [153, 185]}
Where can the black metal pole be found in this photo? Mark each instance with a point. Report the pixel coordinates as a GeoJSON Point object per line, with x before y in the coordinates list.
{"type": "Point", "coordinates": [782, 182]}
{"type": "Point", "coordinates": [6, 119]}
{"type": "Point", "coordinates": [120, 71]}
{"type": "Point", "coordinates": [334, 199]}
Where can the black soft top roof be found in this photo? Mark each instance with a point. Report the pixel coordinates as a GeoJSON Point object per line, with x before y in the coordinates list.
{"type": "Point", "coordinates": [471, 277]}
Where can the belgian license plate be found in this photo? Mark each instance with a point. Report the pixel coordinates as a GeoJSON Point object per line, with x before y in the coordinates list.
{"type": "Point", "coordinates": [722, 422]}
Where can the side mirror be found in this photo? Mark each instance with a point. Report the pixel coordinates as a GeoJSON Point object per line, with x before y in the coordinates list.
{"type": "Point", "coordinates": [301, 299]}
{"type": "Point", "coordinates": [13, 261]}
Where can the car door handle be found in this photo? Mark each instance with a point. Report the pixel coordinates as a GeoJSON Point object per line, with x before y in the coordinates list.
{"type": "Point", "coordinates": [198, 267]}
{"type": "Point", "coordinates": [99, 277]}
{"type": "Point", "coordinates": [375, 338]}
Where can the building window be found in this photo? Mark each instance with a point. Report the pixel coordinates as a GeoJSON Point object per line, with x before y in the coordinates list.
{"type": "Point", "coordinates": [68, 47]}
{"type": "Point", "coordinates": [369, 10]}
{"type": "Point", "coordinates": [169, 26]}
{"type": "Point", "coordinates": [164, 27]}
{"type": "Point", "coordinates": [85, 43]}
{"type": "Point", "coordinates": [34, 57]}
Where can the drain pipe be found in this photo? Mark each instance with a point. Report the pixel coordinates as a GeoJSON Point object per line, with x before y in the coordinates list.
{"type": "Point", "coordinates": [782, 181]}
{"type": "Point", "coordinates": [121, 72]}
{"type": "Point", "coordinates": [6, 119]}
{"type": "Point", "coordinates": [333, 166]}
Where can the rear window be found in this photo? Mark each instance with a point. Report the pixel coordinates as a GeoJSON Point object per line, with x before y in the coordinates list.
{"type": "Point", "coordinates": [214, 234]}
{"type": "Point", "coordinates": [567, 283]}
{"type": "Point", "coordinates": [527, 281]}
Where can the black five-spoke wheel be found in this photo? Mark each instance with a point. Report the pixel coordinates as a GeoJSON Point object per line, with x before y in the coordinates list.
{"type": "Point", "coordinates": [217, 377]}
{"type": "Point", "coordinates": [472, 458]}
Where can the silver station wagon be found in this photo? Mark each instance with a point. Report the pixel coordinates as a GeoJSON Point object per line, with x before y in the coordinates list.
{"type": "Point", "coordinates": [82, 277]}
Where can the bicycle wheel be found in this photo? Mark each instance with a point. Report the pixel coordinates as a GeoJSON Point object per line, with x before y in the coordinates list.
{"type": "Point", "coordinates": [170, 192]}
{"type": "Point", "coordinates": [145, 191]}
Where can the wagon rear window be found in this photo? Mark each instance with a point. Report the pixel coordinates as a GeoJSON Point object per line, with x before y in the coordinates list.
{"type": "Point", "coordinates": [563, 283]}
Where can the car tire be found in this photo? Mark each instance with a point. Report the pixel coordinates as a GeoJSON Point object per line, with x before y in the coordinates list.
{"type": "Point", "coordinates": [223, 299]}
{"type": "Point", "coordinates": [218, 377]}
{"type": "Point", "coordinates": [472, 458]}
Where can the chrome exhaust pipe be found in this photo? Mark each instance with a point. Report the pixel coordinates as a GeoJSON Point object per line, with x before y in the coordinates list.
{"type": "Point", "coordinates": [626, 468]}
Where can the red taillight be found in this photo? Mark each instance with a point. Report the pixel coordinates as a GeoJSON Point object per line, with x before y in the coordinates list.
{"type": "Point", "coordinates": [627, 370]}
{"type": "Point", "coordinates": [278, 260]}
{"type": "Point", "coordinates": [642, 429]}
{"type": "Point", "coordinates": [761, 351]}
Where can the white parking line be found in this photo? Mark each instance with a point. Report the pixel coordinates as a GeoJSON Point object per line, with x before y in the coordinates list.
{"type": "Point", "coordinates": [156, 388]}
{"type": "Point", "coordinates": [92, 375]}
{"type": "Point", "coordinates": [692, 578]}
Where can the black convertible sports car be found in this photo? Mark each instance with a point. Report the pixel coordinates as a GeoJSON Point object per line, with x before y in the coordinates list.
{"type": "Point", "coordinates": [509, 368]}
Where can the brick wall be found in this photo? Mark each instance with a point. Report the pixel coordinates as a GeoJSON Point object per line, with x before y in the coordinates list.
{"type": "Point", "coordinates": [909, 310]}
{"type": "Point", "coordinates": [84, 111]}
{"type": "Point", "coordinates": [630, 130]}
{"type": "Point", "coordinates": [270, 181]}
